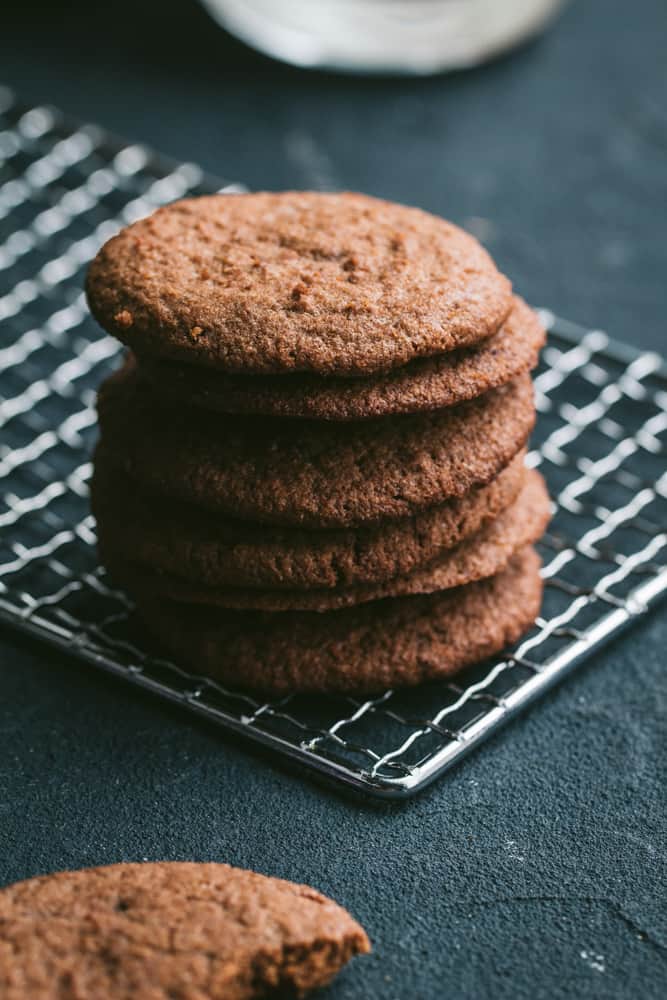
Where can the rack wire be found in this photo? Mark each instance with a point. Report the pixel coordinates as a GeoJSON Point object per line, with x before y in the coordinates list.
{"type": "Point", "coordinates": [67, 187]}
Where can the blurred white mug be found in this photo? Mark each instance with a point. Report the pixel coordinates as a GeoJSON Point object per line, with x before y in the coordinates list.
{"type": "Point", "coordinates": [383, 36]}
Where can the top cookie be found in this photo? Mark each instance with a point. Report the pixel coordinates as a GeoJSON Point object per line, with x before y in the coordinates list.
{"type": "Point", "coordinates": [336, 284]}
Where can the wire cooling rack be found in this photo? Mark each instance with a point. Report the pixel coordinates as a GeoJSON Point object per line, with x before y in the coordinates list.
{"type": "Point", "coordinates": [64, 189]}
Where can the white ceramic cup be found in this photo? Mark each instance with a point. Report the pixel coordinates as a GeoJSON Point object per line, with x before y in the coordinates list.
{"type": "Point", "coordinates": [383, 36]}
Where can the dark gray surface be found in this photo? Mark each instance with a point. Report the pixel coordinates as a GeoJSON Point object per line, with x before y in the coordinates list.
{"type": "Point", "coordinates": [537, 869]}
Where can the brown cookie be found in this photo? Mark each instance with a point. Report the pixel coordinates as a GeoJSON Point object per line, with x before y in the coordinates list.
{"type": "Point", "coordinates": [314, 474]}
{"type": "Point", "coordinates": [400, 641]}
{"type": "Point", "coordinates": [339, 284]}
{"type": "Point", "coordinates": [483, 554]}
{"type": "Point", "coordinates": [425, 384]}
{"type": "Point", "coordinates": [169, 930]}
{"type": "Point", "coordinates": [217, 552]}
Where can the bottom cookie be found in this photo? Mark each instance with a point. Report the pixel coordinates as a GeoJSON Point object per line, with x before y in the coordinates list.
{"type": "Point", "coordinates": [396, 642]}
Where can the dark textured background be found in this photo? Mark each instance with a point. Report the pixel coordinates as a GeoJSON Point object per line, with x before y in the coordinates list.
{"type": "Point", "coordinates": [537, 869]}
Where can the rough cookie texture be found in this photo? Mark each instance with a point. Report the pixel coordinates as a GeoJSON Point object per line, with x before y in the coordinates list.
{"type": "Point", "coordinates": [297, 281]}
{"type": "Point", "coordinates": [169, 931]}
{"type": "Point", "coordinates": [425, 384]}
{"type": "Point", "coordinates": [319, 475]}
{"type": "Point", "coordinates": [216, 551]}
{"type": "Point", "coordinates": [400, 641]}
{"type": "Point", "coordinates": [482, 554]}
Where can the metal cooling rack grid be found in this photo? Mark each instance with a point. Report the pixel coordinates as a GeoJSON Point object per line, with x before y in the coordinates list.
{"type": "Point", "coordinates": [64, 189]}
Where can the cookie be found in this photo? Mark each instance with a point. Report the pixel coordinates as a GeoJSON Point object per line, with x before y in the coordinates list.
{"type": "Point", "coordinates": [169, 930]}
{"type": "Point", "coordinates": [313, 474]}
{"type": "Point", "coordinates": [396, 642]}
{"type": "Point", "coordinates": [425, 384]}
{"type": "Point", "coordinates": [483, 554]}
{"type": "Point", "coordinates": [337, 284]}
{"type": "Point", "coordinates": [216, 551]}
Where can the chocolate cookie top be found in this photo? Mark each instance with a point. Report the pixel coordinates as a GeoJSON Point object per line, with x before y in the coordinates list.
{"type": "Point", "coordinates": [215, 551]}
{"type": "Point", "coordinates": [482, 554]}
{"type": "Point", "coordinates": [400, 641]}
{"type": "Point", "coordinates": [340, 284]}
{"type": "Point", "coordinates": [425, 384]}
{"type": "Point", "coordinates": [320, 475]}
{"type": "Point", "coordinates": [168, 930]}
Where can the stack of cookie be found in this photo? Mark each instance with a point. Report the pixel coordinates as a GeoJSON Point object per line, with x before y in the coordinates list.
{"type": "Point", "coordinates": [311, 468]}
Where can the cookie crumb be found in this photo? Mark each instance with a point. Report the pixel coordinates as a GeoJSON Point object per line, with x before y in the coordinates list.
{"type": "Point", "coordinates": [124, 318]}
{"type": "Point", "coordinates": [297, 296]}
